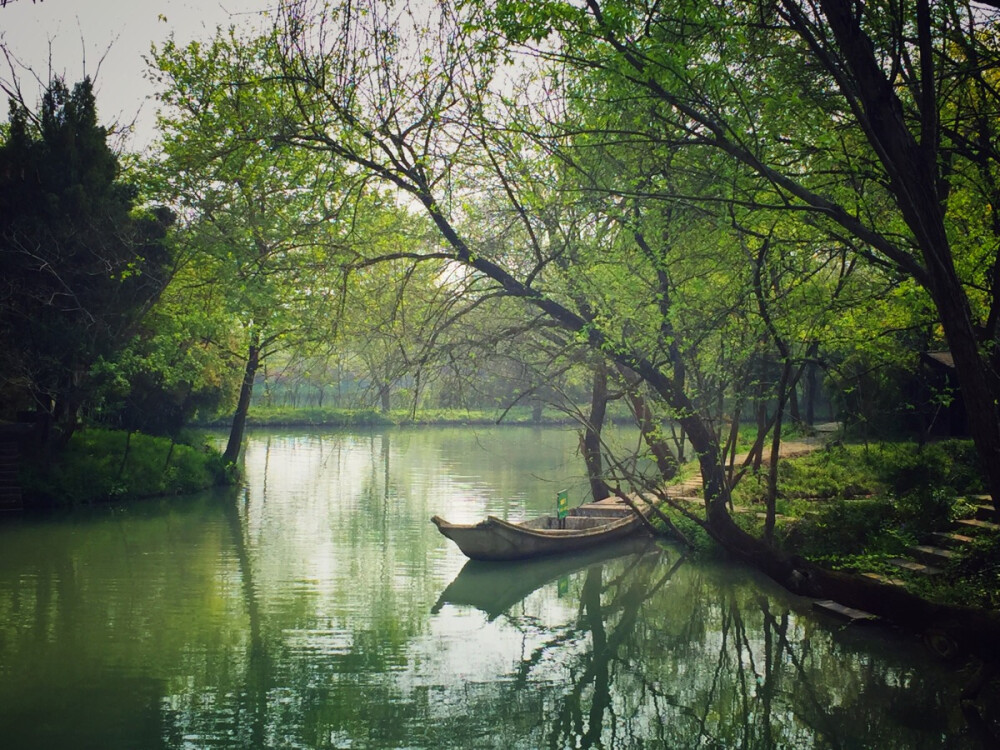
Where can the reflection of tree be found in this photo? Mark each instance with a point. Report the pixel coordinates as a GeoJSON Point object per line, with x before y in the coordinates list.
{"type": "Point", "coordinates": [569, 729]}
{"type": "Point", "coordinates": [697, 659]}
{"type": "Point", "coordinates": [259, 663]}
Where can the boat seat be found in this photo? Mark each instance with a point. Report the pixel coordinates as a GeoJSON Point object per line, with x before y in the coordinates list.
{"type": "Point", "coordinates": [570, 523]}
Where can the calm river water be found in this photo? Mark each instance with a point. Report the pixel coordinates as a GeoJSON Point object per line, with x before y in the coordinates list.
{"type": "Point", "coordinates": [318, 607]}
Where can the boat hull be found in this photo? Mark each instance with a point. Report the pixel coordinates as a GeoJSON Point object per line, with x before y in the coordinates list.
{"type": "Point", "coordinates": [496, 539]}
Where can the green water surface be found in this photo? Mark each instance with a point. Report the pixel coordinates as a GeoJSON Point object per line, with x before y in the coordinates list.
{"type": "Point", "coordinates": [317, 607]}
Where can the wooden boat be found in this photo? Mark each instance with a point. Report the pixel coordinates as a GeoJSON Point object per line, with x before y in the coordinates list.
{"type": "Point", "coordinates": [496, 539]}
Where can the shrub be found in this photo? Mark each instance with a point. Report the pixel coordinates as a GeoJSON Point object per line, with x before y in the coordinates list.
{"type": "Point", "coordinates": [845, 527]}
{"type": "Point", "coordinates": [100, 465]}
{"type": "Point", "coordinates": [976, 575]}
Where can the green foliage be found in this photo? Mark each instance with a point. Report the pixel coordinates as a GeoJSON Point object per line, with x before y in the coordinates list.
{"type": "Point", "coordinates": [843, 527]}
{"type": "Point", "coordinates": [916, 477]}
{"type": "Point", "coordinates": [80, 266]}
{"type": "Point", "coordinates": [837, 471]}
{"type": "Point", "coordinates": [976, 576]}
{"type": "Point", "coordinates": [279, 416]}
{"type": "Point", "coordinates": [911, 470]}
{"type": "Point", "coordinates": [94, 467]}
{"type": "Point", "coordinates": [856, 508]}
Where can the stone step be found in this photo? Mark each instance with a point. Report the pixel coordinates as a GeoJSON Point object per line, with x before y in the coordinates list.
{"type": "Point", "coordinates": [974, 524]}
{"type": "Point", "coordinates": [935, 556]}
{"type": "Point", "coordinates": [694, 500]}
{"type": "Point", "coordinates": [986, 513]}
{"type": "Point", "coordinates": [844, 613]}
{"type": "Point", "coordinates": [884, 579]}
{"type": "Point", "coordinates": [949, 540]}
{"type": "Point", "coordinates": [914, 567]}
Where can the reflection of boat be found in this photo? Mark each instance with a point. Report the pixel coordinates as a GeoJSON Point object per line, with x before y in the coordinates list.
{"type": "Point", "coordinates": [496, 539]}
{"type": "Point", "coordinates": [495, 588]}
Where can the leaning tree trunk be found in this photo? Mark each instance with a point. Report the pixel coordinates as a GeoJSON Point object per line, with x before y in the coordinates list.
{"type": "Point", "coordinates": [810, 394]}
{"type": "Point", "coordinates": [243, 405]}
{"type": "Point", "coordinates": [974, 381]}
{"type": "Point", "coordinates": [666, 464]}
{"type": "Point", "coordinates": [794, 574]}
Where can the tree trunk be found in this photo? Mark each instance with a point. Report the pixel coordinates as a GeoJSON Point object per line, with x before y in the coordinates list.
{"type": "Point", "coordinates": [268, 390]}
{"type": "Point", "coordinates": [666, 464]}
{"type": "Point", "coordinates": [810, 394]}
{"type": "Point", "coordinates": [536, 411]}
{"type": "Point", "coordinates": [680, 376]}
{"type": "Point", "coordinates": [772, 467]}
{"type": "Point", "coordinates": [978, 393]}
{"type": "Point", "coordinates": [243, 405]}
{"type": "Point", "coordinates": [757, 451]}
{"type": "Point", "coordinates": [385, 398]}
{"type": "Point", "coordinates": [729, 447]}
{"type": "Point", "coordinates": [590, 440]}
{"type": "Point", "coordinates": [914, 181]}
{"type": "Point", "coordinates": [124, 461]}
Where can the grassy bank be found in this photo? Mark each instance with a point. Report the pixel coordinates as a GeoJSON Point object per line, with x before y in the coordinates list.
{"type": "Point", "coordinates": [857, 508]}
{"type": "Point", "coordinates": [279, 416]}
{"type": "Point", "coordinates": [103, 465]}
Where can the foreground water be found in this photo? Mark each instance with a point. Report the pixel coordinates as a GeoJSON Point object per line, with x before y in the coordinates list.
{"type": "Point", "coordinates": [317, 607]}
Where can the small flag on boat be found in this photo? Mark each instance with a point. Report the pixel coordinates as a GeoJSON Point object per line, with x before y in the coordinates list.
{"type": "Point", "coordinates": [562, 504]}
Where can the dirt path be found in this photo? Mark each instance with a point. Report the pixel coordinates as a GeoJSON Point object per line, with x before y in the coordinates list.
{"type": "Point", "coordinates": [823, 433]}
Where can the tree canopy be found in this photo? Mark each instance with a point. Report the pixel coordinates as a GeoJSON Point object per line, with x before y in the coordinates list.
{"type": "Point", "coordinates": [81, 265]}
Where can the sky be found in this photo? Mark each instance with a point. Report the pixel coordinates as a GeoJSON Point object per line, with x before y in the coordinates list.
{"type": "Point", "coordinates": [76, 34]}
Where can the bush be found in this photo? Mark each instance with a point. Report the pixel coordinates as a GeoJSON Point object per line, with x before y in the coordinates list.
{"type": "Point", "coordinates": [845, 527]}
{"type": "Point", "coordinates": [976, 576]}
{"type": "Point", "coordinates": [100, 465]}
{"type": "Point", "coordinates": [906, 468]}
{"type": "Point", "coordinates": [835, 472]}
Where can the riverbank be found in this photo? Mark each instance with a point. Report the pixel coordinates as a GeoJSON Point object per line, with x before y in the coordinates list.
{"type": "Point", "coordinates": [101, 465]}
{"type": "Point", "coordinates": [329, 417]}
{"type": "Point", "coordinates": [894, 512]}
